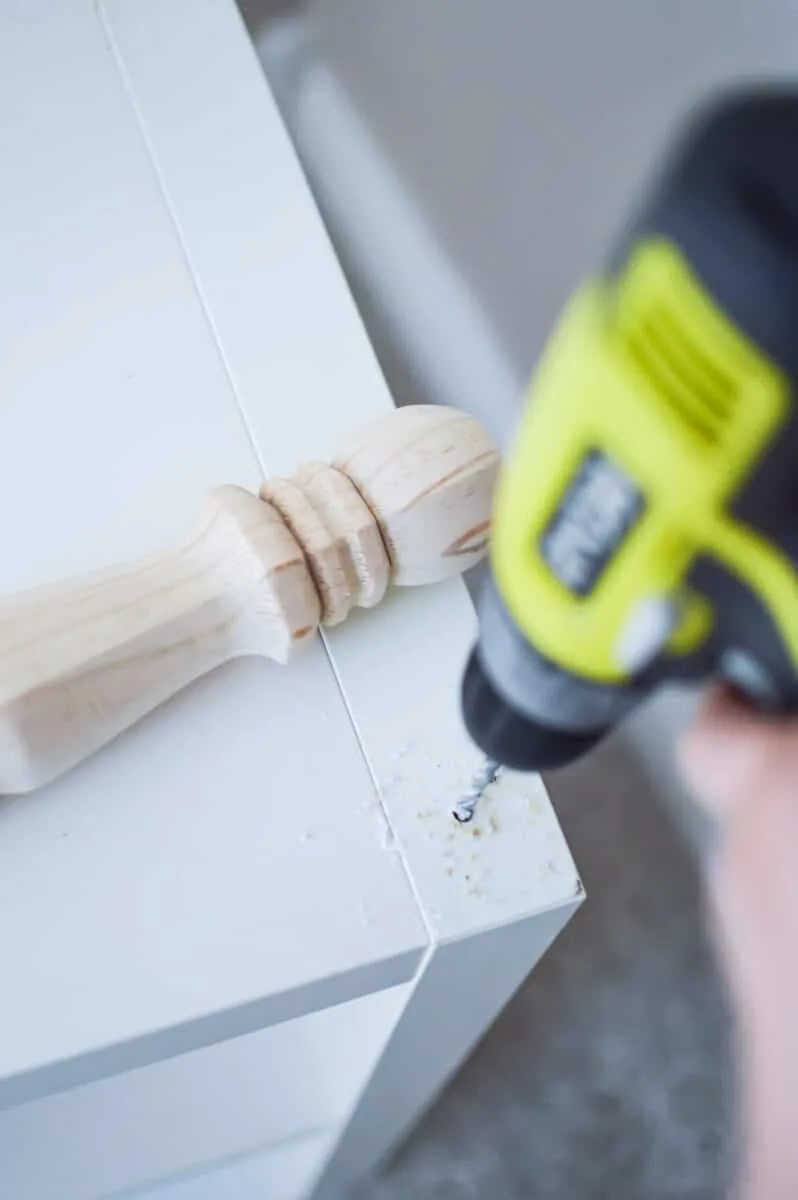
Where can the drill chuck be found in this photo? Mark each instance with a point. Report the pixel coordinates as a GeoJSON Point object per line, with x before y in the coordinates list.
{"type": "Point", "coordinates": [507, 736]}
{"type": "Point", "coordinates": [523, 710]}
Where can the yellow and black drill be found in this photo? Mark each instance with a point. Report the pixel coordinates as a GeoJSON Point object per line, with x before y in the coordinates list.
{"type": "Point", "coordinates": [646, 520]}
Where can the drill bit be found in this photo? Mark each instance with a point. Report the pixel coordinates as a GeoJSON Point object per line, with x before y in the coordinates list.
{"type": "Point", "coordinates": [464, 810]}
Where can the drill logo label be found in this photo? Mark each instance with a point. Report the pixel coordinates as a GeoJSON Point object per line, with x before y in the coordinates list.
{"type": "Point", "coordinates": [600, 507]}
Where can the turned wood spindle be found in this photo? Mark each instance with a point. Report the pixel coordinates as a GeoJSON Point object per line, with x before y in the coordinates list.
{"type": "Point", "coordinates": [407, 503]}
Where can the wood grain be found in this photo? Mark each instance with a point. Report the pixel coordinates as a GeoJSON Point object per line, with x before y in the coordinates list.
{"type": "Point", "coordinates": [408, 502]}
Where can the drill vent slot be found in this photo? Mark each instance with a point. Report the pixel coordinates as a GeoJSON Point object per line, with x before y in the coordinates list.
{"type": "Point", "coordinates": [694, 385]}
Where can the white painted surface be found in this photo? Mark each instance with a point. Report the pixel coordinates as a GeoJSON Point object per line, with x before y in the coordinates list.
{"type": "Point", "coordinates": [512, 859]}
{"type": "Point", "coordinates": [465, 985]}
{"type": "Point", "coordinates": [291, 337]}
{"type": "Point", "coordinates": [494, 892]}
{"type": "Point", "coordinates": [191, 1112]}
{"type": "Point", "coordinates": [173, 318]}
{"type": "Point", "coordinates": [414, 643]}
{"type": "Point", "coordinates": [284, 1173]}
{"type": "Point", "coordinates": [207, 874]}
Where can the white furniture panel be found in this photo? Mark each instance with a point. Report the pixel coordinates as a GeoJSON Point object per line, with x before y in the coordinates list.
{"type": "Point", "coordinates": [247, 940]}
{"type": "Point", "coordinates": [273, 291]}
{"type": "Point", "coordinates": [230, 1100]}
{"type": "Point", "coordinates": [284, 1173]}
{"type": "Point", "coordinates": [165, 894]}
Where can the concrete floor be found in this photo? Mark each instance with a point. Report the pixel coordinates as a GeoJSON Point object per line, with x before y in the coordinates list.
{"type": "Point", "coordinates": [609, 1075]}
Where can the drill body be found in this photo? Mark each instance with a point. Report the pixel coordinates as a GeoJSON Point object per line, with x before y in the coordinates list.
{"type": "Point", "coordinates": [646, 519]}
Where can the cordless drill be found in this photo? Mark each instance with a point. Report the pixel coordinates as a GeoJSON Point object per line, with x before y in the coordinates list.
{"type": "Point", "coordinates": [646, 520]}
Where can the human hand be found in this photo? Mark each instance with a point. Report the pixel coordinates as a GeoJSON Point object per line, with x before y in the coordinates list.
{"type": "Point", "coordinates": [744, 767]}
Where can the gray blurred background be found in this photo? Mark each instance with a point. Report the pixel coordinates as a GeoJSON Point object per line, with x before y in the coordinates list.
{"type": "Point", "coordinates": [473, 159]}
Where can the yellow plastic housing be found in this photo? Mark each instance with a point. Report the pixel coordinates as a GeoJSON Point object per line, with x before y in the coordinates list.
{"type": "Point", "coordinates": [648, 371]}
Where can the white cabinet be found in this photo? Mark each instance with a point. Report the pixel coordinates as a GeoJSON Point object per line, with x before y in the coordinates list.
{"type": "Point", "coordinates": [255, 905]}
